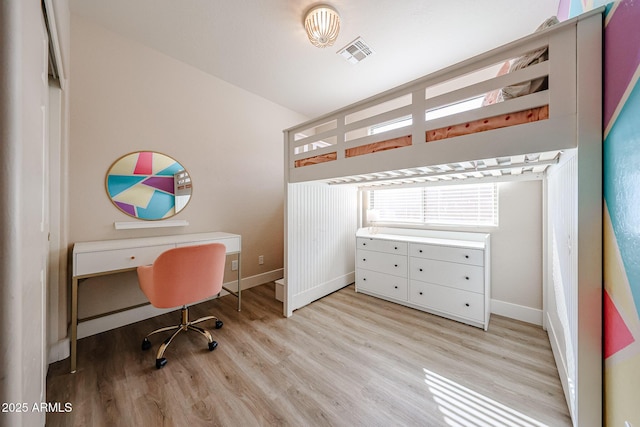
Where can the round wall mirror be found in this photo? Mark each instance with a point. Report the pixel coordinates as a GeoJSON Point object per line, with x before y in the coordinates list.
{"type": "Point", "coordinates": [148, 185]}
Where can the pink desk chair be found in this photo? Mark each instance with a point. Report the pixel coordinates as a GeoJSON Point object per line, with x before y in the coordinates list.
{"type": "Point", "coordinates": [180, 277]}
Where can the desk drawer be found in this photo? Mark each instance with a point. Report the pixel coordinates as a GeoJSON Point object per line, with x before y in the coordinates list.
{"type": "Point", "coordinates": [117, 259]}
{"type": "Point", "coordinates": [232, 244]}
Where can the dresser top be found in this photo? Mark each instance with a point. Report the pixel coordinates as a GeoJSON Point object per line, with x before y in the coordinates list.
{"type": "Point", "coordinates": [432, 237]}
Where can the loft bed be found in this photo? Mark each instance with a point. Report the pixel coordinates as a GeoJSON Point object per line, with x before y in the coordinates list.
{"type": "Point", "coordinates": [526, 104]}
{"type": "Point", "coordinates": [416, 133]}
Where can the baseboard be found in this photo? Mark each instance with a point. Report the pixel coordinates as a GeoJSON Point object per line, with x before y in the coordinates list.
{"type": "Point", "coordinates": [280, 290]}
{"type": "Point", "coordinates": [518, 312]}
{"type": "Point", "coordinates": [116, 320]}
{"type": "Point", "coordinates": [257, 280]}
{"type": "Point", "coordinates": [561, 364]}
{"type": "Point", "coordinates": [59, 351]}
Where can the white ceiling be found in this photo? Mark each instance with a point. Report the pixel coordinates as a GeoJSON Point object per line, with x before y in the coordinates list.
{"type": "Point", "coordinates": [260, 45]}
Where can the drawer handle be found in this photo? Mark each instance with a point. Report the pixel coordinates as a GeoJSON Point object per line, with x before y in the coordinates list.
{"type": "Point", "coordinates": [364, 259]}
{"type": "Point", "coordinates": [364, 244]}
{"type": "Point", "coordinates": [420, 293]}
{"type": "Point", "coordinates": [364, 279]}
{"type": "Point", "coordinates": [395, 287]}
{"type": "Point", "coordinates": [467, 304]}
{"type": "Point", "coordinates": [395, 247]}
{"type": "Point", "coordinates": [420, 251]}
{"type": "Point", "coordinates": [420, 269]}
{"type": "Point", "coordinates": [466, 256]}
{"type": "Point", "coordinates": [466, 277]}
{"type": "Point", "coordinates": [133, 257]}
{"type": "Point", "coordinates": [395, 265]}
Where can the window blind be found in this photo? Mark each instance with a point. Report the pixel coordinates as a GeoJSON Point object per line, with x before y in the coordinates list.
{"type": "Point", "coordinates": [397, 205]}
{"type": "Point", "coordinates": [467, 205]}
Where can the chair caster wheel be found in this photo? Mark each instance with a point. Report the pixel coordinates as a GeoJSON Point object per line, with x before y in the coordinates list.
{"type": "Point", "coordinates": [161, 362]}
{"type": "Point", "coordinates": [219, 324]}
{"type": "Point", "coordinates": [146, 344]}
{"type": "Point", "coordinates": [213, 345]}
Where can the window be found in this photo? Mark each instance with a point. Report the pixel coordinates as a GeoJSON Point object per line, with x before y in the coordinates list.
{"type": "Point", "coordinates": [463, 205]}
{"type": "Point", "coordinates": [436, 113]}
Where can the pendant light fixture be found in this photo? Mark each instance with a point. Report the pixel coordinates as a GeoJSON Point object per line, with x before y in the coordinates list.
{"type": "Point", "coordinates": [322, 24]}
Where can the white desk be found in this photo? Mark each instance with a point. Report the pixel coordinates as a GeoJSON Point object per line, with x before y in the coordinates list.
{"type": "Point", "coordinates": [91, 259]}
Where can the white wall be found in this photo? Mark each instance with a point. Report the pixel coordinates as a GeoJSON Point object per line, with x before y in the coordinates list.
{"type": "Point", "coordinates": [127, 97]}
{"type": "Point", "coordinates": [562, 276]}
{"type": "Point", "coordinates": [322, 221]}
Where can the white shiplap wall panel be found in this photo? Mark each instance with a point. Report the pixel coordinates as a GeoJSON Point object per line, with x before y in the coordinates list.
{"type": "Point", "coordinates": [562, 293]}
{"type": "Point", "coordinates": [321, 227]}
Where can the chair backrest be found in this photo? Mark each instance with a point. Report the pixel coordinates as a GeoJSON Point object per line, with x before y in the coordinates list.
{"type": "Point", "coordinates": [184, 275]}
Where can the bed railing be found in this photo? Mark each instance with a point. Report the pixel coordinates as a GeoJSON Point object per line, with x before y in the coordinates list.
{"type": "Point", "coordinates": [441, 118]}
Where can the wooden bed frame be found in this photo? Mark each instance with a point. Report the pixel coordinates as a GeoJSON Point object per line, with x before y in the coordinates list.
{"type": "Point", "coordinates": [490, 123]}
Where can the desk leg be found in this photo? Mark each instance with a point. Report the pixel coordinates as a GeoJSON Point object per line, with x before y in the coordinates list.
{"type": "Point", "coordinates": [239, 288]}
{"type": "Point", "coordinates": [74, 323]}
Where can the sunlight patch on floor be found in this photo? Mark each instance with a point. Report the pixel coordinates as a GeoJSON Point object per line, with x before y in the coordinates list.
{"type": "Point", "coordinates": [461, 406]}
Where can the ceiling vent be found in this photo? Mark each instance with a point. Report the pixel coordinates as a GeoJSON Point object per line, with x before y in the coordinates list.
{"type": "Point", "coordinates": [355, 51]}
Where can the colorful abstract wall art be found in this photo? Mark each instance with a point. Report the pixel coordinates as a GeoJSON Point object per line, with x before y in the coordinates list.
{"type": "Point", "coordinates": [621, 150]}
{"type": "Point", "coordinates": [148, 185]}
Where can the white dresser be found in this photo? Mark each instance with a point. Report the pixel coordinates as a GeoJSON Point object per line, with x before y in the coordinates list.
{"type": "Point", "coordinates": [441, 272]}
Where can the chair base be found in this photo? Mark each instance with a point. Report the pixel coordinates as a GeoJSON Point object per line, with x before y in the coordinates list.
{"type": "Point", "coordinates": [185, 325]}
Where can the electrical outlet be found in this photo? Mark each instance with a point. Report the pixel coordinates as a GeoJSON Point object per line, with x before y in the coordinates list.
{"type": "Point", "coordinates": [261, 259]}
{"type": "Point", "coordinates": [234, 265]}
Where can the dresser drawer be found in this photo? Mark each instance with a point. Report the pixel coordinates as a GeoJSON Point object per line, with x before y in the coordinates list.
{"type": "Point", "coordinates": [382, 262]}
{"type": "Point", "coordinates": [460, 276]}
{"type": "Point", "coordinates": [382, 284]}
{"type": "Point", "coordinates": [450, 301]}
{"type": "Point", "coordinates": [447, 253]}
{"type": "Point", "coordinates": [117, 259]}
{"type": "Point", "coordinates": [388, 246]}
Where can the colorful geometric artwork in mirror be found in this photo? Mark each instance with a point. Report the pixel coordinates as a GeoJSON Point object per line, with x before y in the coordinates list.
{"type": "Point", "coordinates": [148, 185]}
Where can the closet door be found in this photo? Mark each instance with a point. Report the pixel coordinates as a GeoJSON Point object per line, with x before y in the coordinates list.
{"type": "Point", "coordinates": [25, 223]}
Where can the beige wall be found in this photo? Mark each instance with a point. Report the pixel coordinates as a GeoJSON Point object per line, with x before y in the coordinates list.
{"type": "Point", "coordinates": [127, 97]}
{"type": "Point", "coordinates": [516, 246]}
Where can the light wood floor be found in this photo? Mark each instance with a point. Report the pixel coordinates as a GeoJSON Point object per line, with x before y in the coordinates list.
{"type": "Point", "coordinates": [345, 360]}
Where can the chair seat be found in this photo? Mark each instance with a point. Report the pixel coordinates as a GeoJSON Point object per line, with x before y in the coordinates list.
{"type": "Point", "coordinates": [180, 277]}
